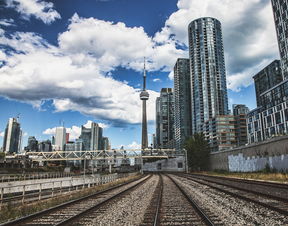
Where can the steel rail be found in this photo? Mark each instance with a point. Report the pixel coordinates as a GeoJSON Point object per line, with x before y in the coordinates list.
{"type": "Point", "coordinates": [282, 211]}
{"type": "Point", "coordinates": [247, 181]}
{"type": "Point", "coordinates": [24, 219]}
{"type": "Point", "coordinates": [156, 217]}
{"type": "Point", "coordinates": [198, 209]}
{"type": "Point", "coordinates": [69, 220]}
{"type": "Point", "coordinates": [242, 189]}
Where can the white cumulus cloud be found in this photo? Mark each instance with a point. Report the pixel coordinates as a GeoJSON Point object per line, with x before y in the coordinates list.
{"type": "Point", "coordinates": [40, 9]}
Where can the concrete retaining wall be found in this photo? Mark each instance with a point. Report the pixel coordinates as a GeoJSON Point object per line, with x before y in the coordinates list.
{"type": "Point", "coordinates": [254, 157]}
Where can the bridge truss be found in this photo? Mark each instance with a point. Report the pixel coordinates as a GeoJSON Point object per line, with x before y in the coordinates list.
{"type": "Point", "coordinates": [103, 155]}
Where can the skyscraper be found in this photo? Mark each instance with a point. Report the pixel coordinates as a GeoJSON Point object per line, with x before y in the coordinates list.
{"type": "Point", "coordinates": [207, 70]}
{"type": "Point", "coordinates": [144, 96]}
{"type": "Point", "coordinates": [60, 138]}
{"type": "Point", "coordinates": [280, 10]}
{"type": "Point", "coordinates": [165, 119]}
{"type": "Point", "coordinates": [12, 136]}
{"type": "Point", "coordinates": [182, 99]}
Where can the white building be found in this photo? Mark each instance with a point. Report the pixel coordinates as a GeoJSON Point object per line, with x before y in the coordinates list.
{"type": "Point", "coordinates": [60, 138]}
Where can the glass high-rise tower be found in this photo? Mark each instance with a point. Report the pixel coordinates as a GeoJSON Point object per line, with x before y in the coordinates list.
{"type": "Point", "coordinates": [280, 10]}
{"type": "Point", "coordinates": [207, 71]}
{"type": "Point", "coordinates": [182, 90]}
{"type": "Point", "coordinates": [165, 119]}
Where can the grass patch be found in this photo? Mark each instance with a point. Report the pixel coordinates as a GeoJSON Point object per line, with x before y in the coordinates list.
{"type": "Point", "coordinates": [9, 212]}
{"type": "Point", "coordinates": [277, 177]}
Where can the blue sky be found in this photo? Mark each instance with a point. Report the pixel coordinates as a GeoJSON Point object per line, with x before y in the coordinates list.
{"type": "Point", "coordinates": [81, 61]}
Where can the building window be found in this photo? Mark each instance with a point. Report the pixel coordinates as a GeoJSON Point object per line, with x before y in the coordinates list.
{"type": "Point", "coordinates": [278, 118]}
{"type": "Point", "coordinates": [180, 164]}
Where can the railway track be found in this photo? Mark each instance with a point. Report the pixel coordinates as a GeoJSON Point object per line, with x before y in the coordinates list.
{"type": "Point", "coordinates": [271, 201]}
{"type": "Point", "coordinates": [172, 206]}
{"type": "Point", "coordinates": [68, 213]}
{"type": "Point", "coordinates": [268, 189]}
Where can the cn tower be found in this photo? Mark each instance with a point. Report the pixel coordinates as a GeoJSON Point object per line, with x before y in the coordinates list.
{"type": "Point", "coordinates": [144, 95]}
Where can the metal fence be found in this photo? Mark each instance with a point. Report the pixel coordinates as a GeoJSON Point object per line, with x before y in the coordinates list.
{"type": "Point", "coordinates": [42, 190]}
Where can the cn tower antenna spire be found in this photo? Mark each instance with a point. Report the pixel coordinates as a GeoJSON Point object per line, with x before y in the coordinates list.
{"type": "Point", "coordinates": [144, 75]}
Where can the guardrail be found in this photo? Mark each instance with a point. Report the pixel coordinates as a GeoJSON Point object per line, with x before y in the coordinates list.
{"type": "Point", "coordinates": [43, 190]}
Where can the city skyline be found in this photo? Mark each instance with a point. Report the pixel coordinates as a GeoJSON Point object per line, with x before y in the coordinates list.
{"type": "Point", "coordinates": [76, 101]}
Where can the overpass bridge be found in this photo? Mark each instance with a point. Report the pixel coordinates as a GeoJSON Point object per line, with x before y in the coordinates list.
{"type": "Point", "coordinates": [104, 155]}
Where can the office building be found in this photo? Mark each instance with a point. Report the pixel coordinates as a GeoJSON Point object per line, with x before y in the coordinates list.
{"type": "Point", "coordinates": [207, 70]}
{"type": "Point", "coordinates": [157, 121]}
{"type": "Point", "coordinates": [267, 78]}
{"type": "Point", "coordinates": [182, 94]}
{"type": "Point", "coordinates": [280, 11]}
{"type": "Point", "coordinates": [32, 144]}
{"type": "Point", "coordinates": [45, 146]}
{"type": "Point", "coordinates": [270, 119]}
{"type": "Point", "coordinates": [12, 137]}
{"type": "Point", "coordinates": [60, 138]}
{"type": "Point", "coordinates": [165, 123]}
{"type": "Point", "coordinates": [106, 144]}
{"type": "Point", "coordinates": [240, 111]}
{"type": "Point", "coordinates": [91, 137]}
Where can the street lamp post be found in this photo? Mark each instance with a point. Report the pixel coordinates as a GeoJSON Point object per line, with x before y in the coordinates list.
{"type": "Point", "coordinates": [142, 161]}
{"type": "Point", "coordinates": [186, 160]}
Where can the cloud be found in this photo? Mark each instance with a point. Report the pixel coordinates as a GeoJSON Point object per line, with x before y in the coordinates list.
{"type": "Point", "coordinates": [102, 125]}
{"type": "Point", "coordinates": [74, 75]}
{"type": "Point", "coordinates": [115, 44]}
{"type": "Point", "coordinates": [156, 80]}
{"type": "Point", "coordinates": [134, 145]}
{"type": "Point", "coordinates": [7, 22]}
{"type": "Point", "coordinates": [2, 134]}
{"type": "Point", "coordinates": [25, 134]}
{"type": "Point", "coordinates": [171, 75]}
{"type": "Point", "coordinates": [74, 132]}
{"type": "Point", "coordinates": [50, 131]}
{"type": "Point", "coordinates": [40, 9]}
{"type": "Point", "coordinates": [248, 32]}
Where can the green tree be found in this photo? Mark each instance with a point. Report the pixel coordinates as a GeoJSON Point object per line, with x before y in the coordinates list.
{"type": "Point", "coordinates": [197, 152]}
